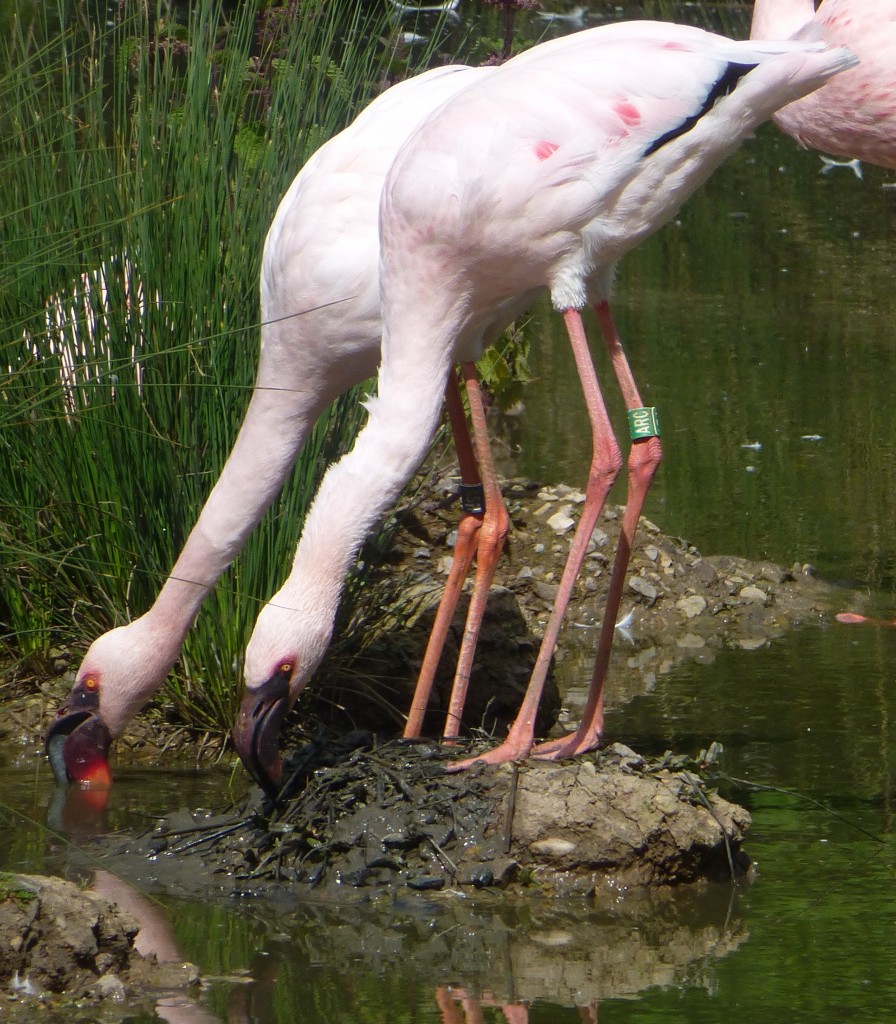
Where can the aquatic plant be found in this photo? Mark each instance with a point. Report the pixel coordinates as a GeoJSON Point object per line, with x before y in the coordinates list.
{"type": "Point", "coordinates": [141, 161]}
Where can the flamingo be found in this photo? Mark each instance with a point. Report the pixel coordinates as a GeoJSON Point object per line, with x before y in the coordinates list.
{"type": "Point", "coordinates": [320, 335]}
{"type": "Point", "coordinates": [854, 115]}
{"type": "Point", "coordinates": [540, 177]}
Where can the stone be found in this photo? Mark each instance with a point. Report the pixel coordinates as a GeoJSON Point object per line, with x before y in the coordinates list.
{"type": "Point", "coordinates": [561, 521]}
{"type": "Point", "coordinates": [552, 846]}
{"type": "Point", "coordinates": [691, 606]}
{"type": "Point", "coordinates": [643, 587]}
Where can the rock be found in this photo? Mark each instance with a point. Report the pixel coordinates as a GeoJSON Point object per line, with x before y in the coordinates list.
{"type": "Point", "coordinates": [641, 586]}
{"type": "Point", "coordinates": [691, 606]}
{"type": "Point", "coordinates": [754, 595]}
{"type": "Point", "coordinates": [561, 521]}
{"type": "Point", "coordinates": [59, 938]}
{"type": "Point", "coordinates": [110, 986]}
{"type": "Point", "coordinates": [650, 826]}
{"type": "Point", "coordinates": [691, 641]}
{"type": "Point", "coordinates": [552, 846]}
{"type": "Point", "coordinates": [546, 591]}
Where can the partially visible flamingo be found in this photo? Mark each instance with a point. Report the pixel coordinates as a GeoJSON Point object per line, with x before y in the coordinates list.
{"type": "Point", "coordinates": [541, 176]}
{"type": "Point", "coordinates": [320, 335]}
{"type": "Point", "coordinates": [855, 114]}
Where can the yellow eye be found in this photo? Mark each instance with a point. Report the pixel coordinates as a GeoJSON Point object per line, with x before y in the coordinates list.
{"type": "Point", "coordinates": [90, 683]}
{"type": "Point", "coordinates": [286, 668]}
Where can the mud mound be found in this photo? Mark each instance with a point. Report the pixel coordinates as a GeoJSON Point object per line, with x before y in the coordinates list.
{"type": "Point", "coordinates": [366, 820]}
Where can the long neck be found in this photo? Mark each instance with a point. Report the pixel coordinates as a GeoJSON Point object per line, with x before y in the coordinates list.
{"type": "Point", "coordinates": [274, 429]}
{"type": "Point", "coordinates": [358, 491]}
{"type": "Point", "coordinates": [779, 19]}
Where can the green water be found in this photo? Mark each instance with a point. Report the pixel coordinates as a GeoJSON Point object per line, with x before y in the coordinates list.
{"type": "Point", "coordinates": [762, 325]}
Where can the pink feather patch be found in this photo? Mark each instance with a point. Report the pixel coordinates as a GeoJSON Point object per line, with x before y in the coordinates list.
{"type": "Point", "coordinates": [545, 149]}
{"type": "Point", "coordinates": [628, 112]}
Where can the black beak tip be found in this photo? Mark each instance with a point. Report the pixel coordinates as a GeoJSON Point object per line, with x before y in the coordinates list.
{"type": "Point", "coordinates": [77, 747]}
{"type": "Point", "coordinates": [256, 737]}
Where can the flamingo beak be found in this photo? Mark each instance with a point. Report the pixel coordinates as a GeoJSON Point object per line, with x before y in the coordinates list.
{"type": "Point", "coordinates": [256, 733]}
{"type": "Point", "coordinates": [78, 741]}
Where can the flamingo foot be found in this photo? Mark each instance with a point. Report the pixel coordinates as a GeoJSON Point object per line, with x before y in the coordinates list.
{"type": "Point", "coordinates": [512, 749]}
{"type": "Point", "coordinates": [571, 745]}
{"type": "Point", "coordinates": [852, 618]}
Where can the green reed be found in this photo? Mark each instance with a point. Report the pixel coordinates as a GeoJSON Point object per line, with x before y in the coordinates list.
{"type": "Point", "coordinates": [141, 163]}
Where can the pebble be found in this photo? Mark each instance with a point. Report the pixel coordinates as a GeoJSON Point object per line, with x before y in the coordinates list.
{"type": "Point", "coordinates": [546, 591]}
{"type": "Point", "coordinates": [691, 641]}
{"type": "Point", "coordinates": [110, 986]}
{"type": "Point", "coordinates": [561, 521]}
{"type": "Point", "coordinates": [552, 846]}
{"type": "Point", "coordinates": [754, 595]}
{"type": "Point", "coordinates": [640, 586]}
{"type": "Point", "coordinates": [426, 882]}
{"type": "Point", "coordinates": [691, 606]}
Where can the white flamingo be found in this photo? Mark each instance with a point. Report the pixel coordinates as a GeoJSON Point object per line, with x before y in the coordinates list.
{"type": "Point", "coordinates": [320, 335]}
{"type": "Point", "coordinates": [541, 176]}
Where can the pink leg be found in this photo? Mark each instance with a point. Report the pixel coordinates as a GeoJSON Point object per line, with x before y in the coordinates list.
{"type": "Point", "coordinates": [450, 1000]}
{"type": "Point", "coordinates": [606, 462]}
{"type": "Point", "coordinates": [853, 618]}
{"type": "Point", "coordinates": [492, 534]}
{"type": "Point", "coordinates": [481, 531]}
{"type": "Point", "coordinates": [644, 458]}
{"type": "Point", "coordinates": [448, 1008]}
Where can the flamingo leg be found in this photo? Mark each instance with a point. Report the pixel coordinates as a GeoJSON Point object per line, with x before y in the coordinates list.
{"type": "Point", "coordinates": [481, 531]}
{"type": "Point", "coordinates": [644, 459]}
{"type": "Point", "coordinates": [492, 534]}
{"type": "Point", "coordinates": [606, 461]}
{"type": "Point", "coordinates": [854, 618]}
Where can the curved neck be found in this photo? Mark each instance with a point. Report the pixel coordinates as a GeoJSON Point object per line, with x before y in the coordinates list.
{"type": "Point", "coordinates": [359, 490]}
{"type": "Point", "coordinates": [274, 429]}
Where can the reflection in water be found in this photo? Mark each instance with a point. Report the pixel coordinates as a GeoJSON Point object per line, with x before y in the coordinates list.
{"type": "Point", "coordinates": [466, 953]}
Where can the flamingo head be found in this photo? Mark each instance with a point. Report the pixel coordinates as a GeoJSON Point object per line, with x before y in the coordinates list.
{"type": "Point", "coordinates": [283, 652]}
{"type": "Point", "coordinates": [78, 739]}
{"type": "Point", "coordinates": [120, 672]}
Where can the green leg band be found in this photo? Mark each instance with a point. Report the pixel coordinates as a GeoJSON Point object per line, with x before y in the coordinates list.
{"type": "Point", "coordinates": [643, 423]}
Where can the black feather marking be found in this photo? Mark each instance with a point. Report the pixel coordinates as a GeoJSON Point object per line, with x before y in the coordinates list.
{"type": "Point", "coordinates": [723, 86]}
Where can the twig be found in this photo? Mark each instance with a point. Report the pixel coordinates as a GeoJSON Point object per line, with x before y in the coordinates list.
{"type": "Point", "coordinates": [511, 808]}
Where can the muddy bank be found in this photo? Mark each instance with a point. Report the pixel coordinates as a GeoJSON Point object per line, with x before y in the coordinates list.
{"type": "Point", "coordinates": [62, 947]}
{"type": "Point", "coordinates": [390, 819]}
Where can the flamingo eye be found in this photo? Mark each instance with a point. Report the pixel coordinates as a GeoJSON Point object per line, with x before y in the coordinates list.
{"type": "Point", "coordinates": [90, 683]}
{"type": "Point", "coordinates": [286, 668]}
